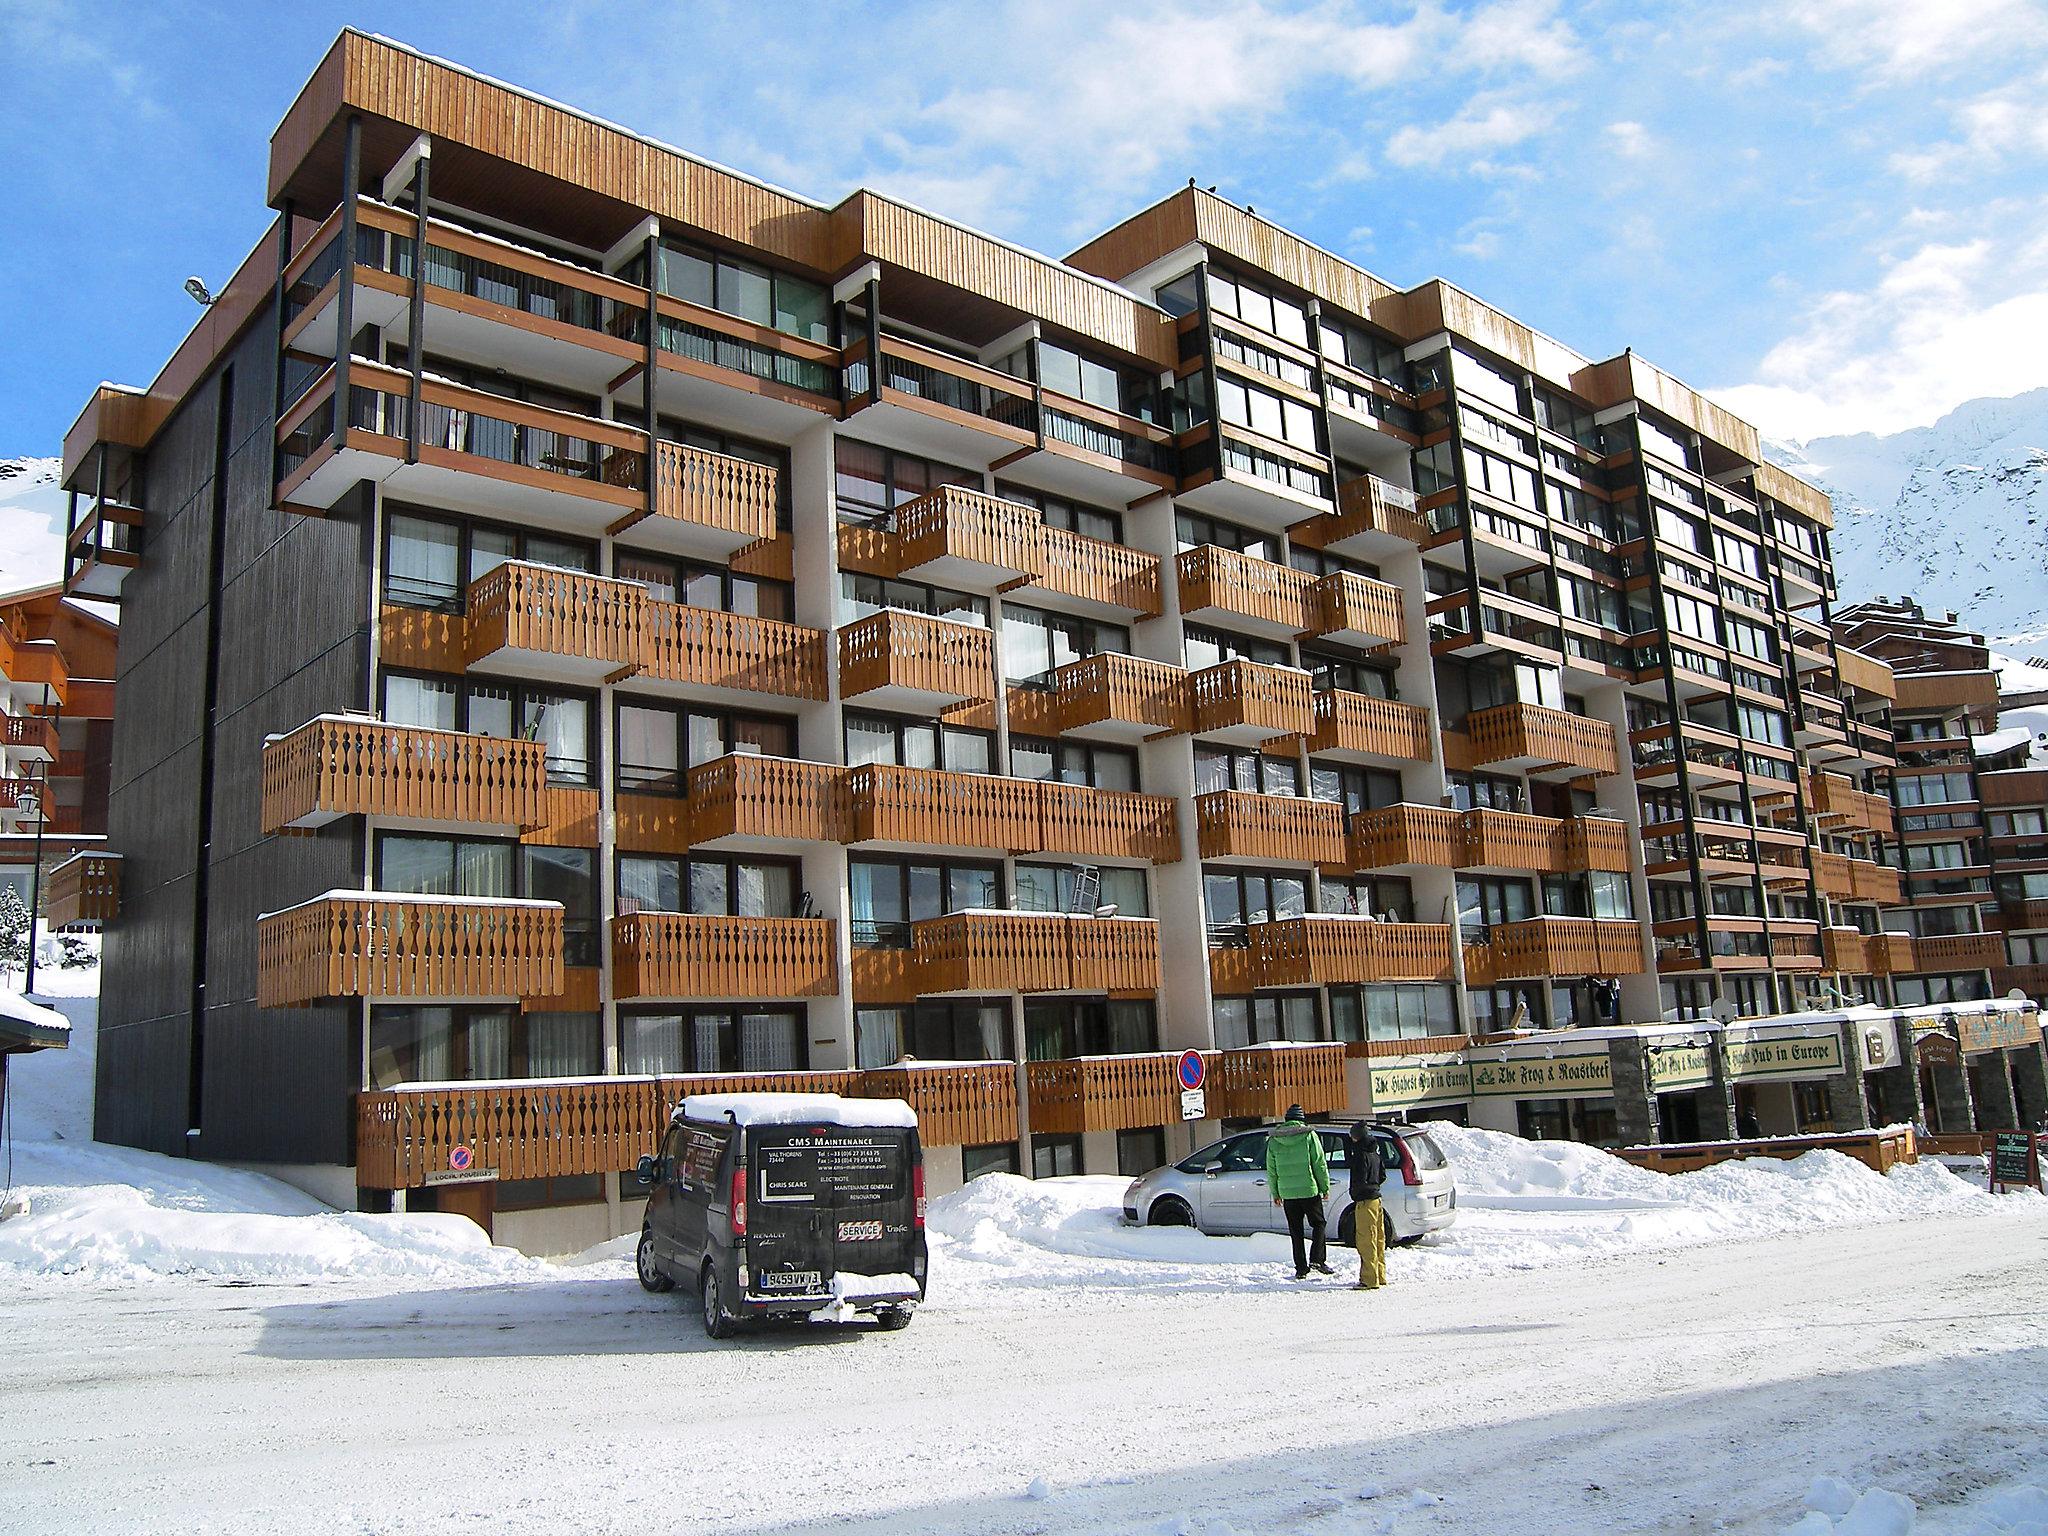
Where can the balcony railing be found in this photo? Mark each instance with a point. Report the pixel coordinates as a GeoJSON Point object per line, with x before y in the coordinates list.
{"type": "Point", "coordinates": [337, 766]}
{"type": "Point", "coordinates": [1122, 695]}
{"type": "Point", "coordinates": [1556, 946]}
{"type": "Point", "coordinates": [744, 795]}
{"type": "Point", "coordinates": [988, 951]}
{"type": "Point", "coordinates": [1958, 951]}
{"type": "Point", "coordinates": [1108, 823]}
{"type": "Point", "coordinates": [891, 804]}
{"type": "Point", "coordinates": [1327, 949]}
{"type": "Point", "coordinates": [715, 649]}
{"type": "Point", "coordinates": [1543, 737]}
{"type": "Point", "coordinates": [1369, 505]}
{"type": "Point", "coordinates": [1233, 823]}
{"type": "Point", "coordinates": [913, 657]}
{"type": "Point", "coordinates": [1099, 572]}
{"type": "Point", "coordinates": [1261, 1082]}
{"type": "Point", "coordinates": [1272, 598]}
{"type": "Point", "coordinates": [1436, 835]}
{"type": "Point", "coordinates": [383, 945]}
{"type": "Point", "coordinates": [1247, 701]}
{"type": "Point", "coordinates": [958, 1104]}
{"type": "Point", "coordinates": [1835, 799]}
{"type": "Point", "coordinates": [1359, 723]}
{"type": "Point", "coordinates": [1592, 843]}
{"type": "Point", "coordinates": [564, 614]}
{"type": "Point", "coordinates": [1408, 834]}
{"type": "Point", "coordinates": [678, 955]}
{"type": "Point", "coordinates": [1103, 1093]}
{"type": "Point", "coordinates": [1353, 608]}
{"type": "Point", "coordinates": [1511, 840]}
{"type": "Point", "coordinates": [959, 537]}
{"type": "Point", "coordinates": [83, 893]}
{"type": "Point", "coordinates": [1890, 954]}
{"type": "Point", "coordinates": [30, 736]}
{"type": "Point", "coordinates": [707, 499]}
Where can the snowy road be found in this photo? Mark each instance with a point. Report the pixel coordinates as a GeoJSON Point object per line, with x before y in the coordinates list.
{"type": "Point", "coordinates": [1671, 1390]}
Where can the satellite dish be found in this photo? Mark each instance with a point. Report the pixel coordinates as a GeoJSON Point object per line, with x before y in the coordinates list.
{"type": "Point", "coordinates": [2016, 995]}
{"type": "Point", "coordinates": [1723, 1011]}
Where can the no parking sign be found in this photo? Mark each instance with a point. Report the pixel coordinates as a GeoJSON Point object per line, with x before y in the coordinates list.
{"type": "Point", "coordinates": [1190, 1071]}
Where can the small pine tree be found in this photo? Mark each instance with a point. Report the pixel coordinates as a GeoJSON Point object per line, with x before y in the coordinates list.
{"type": "Point", "coordinates": [14, 931]}
{"type": "Point", "coordinates": [73, 953]}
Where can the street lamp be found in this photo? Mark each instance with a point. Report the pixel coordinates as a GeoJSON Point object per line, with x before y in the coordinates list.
{"type": "Point", "coordinates": [30, 804]}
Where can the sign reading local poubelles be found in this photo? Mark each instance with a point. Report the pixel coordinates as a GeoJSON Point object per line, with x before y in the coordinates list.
{"type": "Point", "coordinates": [1785, 1056]}
{"type": "Point", "coordinates": [1543, 1077]}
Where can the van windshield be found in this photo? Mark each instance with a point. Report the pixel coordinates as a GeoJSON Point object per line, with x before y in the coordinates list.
{"type": "Point", "coordinates": [830, 1165]}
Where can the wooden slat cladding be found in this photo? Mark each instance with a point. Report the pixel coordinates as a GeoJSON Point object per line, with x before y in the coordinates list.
{"type": "Point", "coordinates": [1111, 688]}
{"type": "Point", "coordinates": [330, 767]}
{"type": "Point", "coordinates": [1512, 840]}
{"type": "Point", "coordinates": [959, 1104]}
{"type": "Point", "coordinates": [1347, 603]}
{"type": "Point", "coordinates": [954, 523]}
{"type": "Point", "coordinates": [83, 893]}
{"type": "Point", "coordinates": [744, 795]}
{"type": "Point", "coordinates": [1095, 570]}
{"type": "Point", "coordinates": [1326, 950]}
{"type": "Point", "coordinates": [653, 824]}
{"type": "Point", "coordinates": [1865, 673]}
{"type": "Point", "coordinates": [1958, 951]}
{"type": "Point", "coordinates": [715, 490]}
{"type": "Point", "coordinates": [1510, 731]}
{"type": "Point", "coordinates": [1276, 700]}
{"type": "Point", "coordinates": [1556, 946]}
{"type": "Point", "coordinates": [1034, 952]}
{"type": "Point", "coordinates": [1357, 722]}
{"type": "Point", "coordinates": [968, 525]}
{"type": "Point", "coordinates": [682, 644]}
{"type": "Point", "coordinates": [1103, 1093]}
{"type": "Point", "coordinates": [560, 613]}
{"type": "Point", "coordinates": [378, 945]}
{"type": "Point", "coordinates": [678, 955]}
{"type": "Point", "coordinates": [1846, 807]}
{"type": "Point", "coordinates": [894, 649]}
{"type": "Point", "coordinates": [1232, 823]}
{"type": "Point", "coordinates": [1108, 823]}
{"type": "Point", "coordinates": [1241, 585]}
{"type": "Point", "coordinates": [1262, 1081]}
{"type": "Point", "coordinates": [929, 805]}
{"type": "Point", "coordinates": [1408, 834]}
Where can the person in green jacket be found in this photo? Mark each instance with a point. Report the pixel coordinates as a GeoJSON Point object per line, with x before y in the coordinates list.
{"type": "Point", "coordinates": [1298, 1174]}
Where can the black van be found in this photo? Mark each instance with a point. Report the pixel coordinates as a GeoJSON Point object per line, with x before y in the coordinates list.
{"type": "Point", "coordinates": [780, 1204]}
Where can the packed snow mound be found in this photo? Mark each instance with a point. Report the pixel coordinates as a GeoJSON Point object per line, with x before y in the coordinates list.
{"type": "Point", "coordinates": [106, 1215]}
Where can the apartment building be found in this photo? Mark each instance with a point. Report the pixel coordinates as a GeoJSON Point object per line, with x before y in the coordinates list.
{"type": "Point", "coordinates": [595, 623]}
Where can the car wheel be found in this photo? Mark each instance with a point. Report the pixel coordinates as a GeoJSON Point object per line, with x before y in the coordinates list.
{"type": "Point", "coordinates": [647, 1267]}
{"type": "Point", "coordinates": [893, 1319]}
{"type": "Point", "coordinates": [1347, 1227]}
{"type": "Point", "coordinates": [1169, 1211]}
{"type": "Point", "coordinates": [718, 1323]}
{"type": "Point", "coordinates": [1392, 1240]}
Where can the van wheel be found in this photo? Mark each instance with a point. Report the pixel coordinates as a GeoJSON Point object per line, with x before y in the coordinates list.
{"type": "Point", "coordinates": [892, 1319]}
{"type": "Point", "coordinates": [647, 1267]}
{"type": "Point", "coordinates": [718, 1323]}
{"type": "Point", "coordinates": [1169, 1212]}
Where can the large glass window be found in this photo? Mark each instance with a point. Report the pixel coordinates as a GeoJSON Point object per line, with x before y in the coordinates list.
{"type": "Point", "coordinates": [713, 1039]}
{"type": "Point", "coordinates": [861, 595]}
{"type": "Point", "coordinates": [707, 586]}
{"type": "Point", "coordinates": [887, 895]}
{"type": "Point", "coordinates": [1057, 1029]}
{"type": "Point", "coordinates": [1061, 888]}
{"type": "Point", "coordinates": [567, 875]}
{"type": "Point", "coordinates": [1220, 767]}
{"type": "Point", "coordinates": [873, 482]}
{"type": "Point", "coordinates": [488, 707]}
{"type": "Point", "coordinates": [1074, 762]}
{"type": "Point", "coordinates": [659, 743]}
{"type": "Point", "coordinates": [1242, 1021]}
{"type": "Point", "coordinates": [1236, 897]}
{"type": "Point", "coordinates": [904, 742]}
{"type": "Point", "coordinates": [431, 558]}
{"type": "Point", "coordinates": [1036, 641]}
{"type": "Point", "coordinates": [445, 1043]}
{"type": "Point", "coordinates": [793, 305]}
{"type": "Point", "coordinates": [1072, 516]}
{"type": "Point", "coordinates": [933, 1029]}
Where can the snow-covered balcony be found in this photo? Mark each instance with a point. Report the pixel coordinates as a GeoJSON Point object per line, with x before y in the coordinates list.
{"type": "Point", "coordinates": [380, 944]}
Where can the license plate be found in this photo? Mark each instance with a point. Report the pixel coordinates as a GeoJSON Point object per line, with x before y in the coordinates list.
{"type": "Point", "coordinates": [860, 1231]}
{"type": "Point", "coordinates": [788, 1280]}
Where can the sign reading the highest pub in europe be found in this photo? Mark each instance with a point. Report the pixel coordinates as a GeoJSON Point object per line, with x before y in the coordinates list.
{"type": "Point", "coordinates": [1543, 1077]}
{"type": "Point", "coordinates": [1790, 1056]}
{"type": "Point", "coordinates": [1401, 1084]}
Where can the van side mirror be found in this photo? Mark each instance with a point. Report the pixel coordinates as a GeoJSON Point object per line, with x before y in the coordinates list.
{"type": "Point", "coordinates": [646, 1169]}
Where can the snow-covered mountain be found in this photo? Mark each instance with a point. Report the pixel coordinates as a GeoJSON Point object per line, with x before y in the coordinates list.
{"type": "Point", "coordinates": [1954, 514]}
{"type": "Point", "coordinates": [32, 512]}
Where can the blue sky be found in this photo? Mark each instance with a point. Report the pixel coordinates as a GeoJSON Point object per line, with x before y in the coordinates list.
{"type": "Point", "coordinates": [1833, 214]}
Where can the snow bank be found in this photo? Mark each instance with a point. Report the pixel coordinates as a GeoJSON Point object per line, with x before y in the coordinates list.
{"type": "Point", "coordinates": [1834, 1508]}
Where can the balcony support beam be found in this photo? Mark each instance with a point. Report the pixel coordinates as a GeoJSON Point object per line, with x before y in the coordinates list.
{"type": "Point", "coordinates": [345, 290]}
{"type": "Point", "coordinates": [416, 324]}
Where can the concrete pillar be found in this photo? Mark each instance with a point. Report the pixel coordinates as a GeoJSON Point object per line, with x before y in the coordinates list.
{"type": "Point", "coordinates": [2030, 1083]}
{"type": "Point", "coordinates": [1955, 1111]}
{"type": "Point", "coordinates": [1098, 1152]}
{"type": "Point", "coordinates": [1717, 1100]}
{"type": "Point", "coordinates": [1635, 1106]}
{"type": "Point", "coordinates": [1847, 1106]}
{"type": "Point", "coordinates": [1894, 1094]}
{"type": "Point", "coordinates": [1991, 1087]}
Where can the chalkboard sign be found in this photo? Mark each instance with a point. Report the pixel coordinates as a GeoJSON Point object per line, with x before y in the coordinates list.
{"type": "Point", "coordinates": [2012, 1157]}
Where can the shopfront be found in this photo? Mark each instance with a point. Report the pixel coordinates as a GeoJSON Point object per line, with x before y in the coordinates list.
{"type": "Point", "coordinates": [1422, 1088]}
{"type": "Point", "coordinates": [1555, 1089]}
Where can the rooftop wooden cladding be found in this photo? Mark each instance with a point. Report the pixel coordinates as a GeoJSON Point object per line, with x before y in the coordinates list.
{"type": "Point", "coordinates": [423, 95]}
{"type": "Point", "coordinates": [1944, 690]}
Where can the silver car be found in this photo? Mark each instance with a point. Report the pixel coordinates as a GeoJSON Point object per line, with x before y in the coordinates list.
{"type": "Point", "coordinates": [1222, 1188]}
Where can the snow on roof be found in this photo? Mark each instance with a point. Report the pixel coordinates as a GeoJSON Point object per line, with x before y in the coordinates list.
{"type": "Point", "coordinates": [797, 1109]}
{"type": "Point", "coordinates": [2004, 739]}
{"type": "Point", "coordinates": [348, 893]}
{"type": "Point", "coordinates": [27, 1026]}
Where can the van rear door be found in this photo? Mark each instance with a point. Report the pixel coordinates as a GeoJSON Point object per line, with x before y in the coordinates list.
{"type": "Point", "coordinates": [826, 1199]}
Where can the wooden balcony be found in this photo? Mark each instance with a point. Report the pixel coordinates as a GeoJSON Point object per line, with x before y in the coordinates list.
{"type": "Point", "coordinates": [1237, 824]}
{"type": "Point", "coordinates": [1843, 807]}
{"type": "Point", "coordinates": [1846, 951]}
{"type": "Point", "coordinates": [1590, 843]}
{"type": "Point", "coordinates": [989, 951]}
{"type": "Point", "coordinates": [1541, 740]}
{"type": "Point", "coordinates": [1326, 949]}
{"type": "Point", "coordinates": [381, 945]}
{"type": "Point", "coordinates": [1247, 703]}
{"type": "Point", "coordinates": [1108, 823]}
{"type": "Point", "coordinates": [1804, 948]}
{"type": "Point", "coordinates": [1864, 673]}
{"type": "Point", "coordinates": [677, 955]}
{"type": "Point", "coordinates": [339, 766]}
{"type": "Point", "coordinates": [1880, 883]}
{"type": "Point", "coordinates": [1889, 954]}
{"type": "Point", "coordinates": [1261, 1082]}
{"type": "Point", "coordinates": [2030, 979]}
{"type": "Point", "coordinates": [888, 804]}
{"type": "Point", "coordinates": [30, 738]}
{"type": "Point", "coordinates": [1356, 610]}
{"type": "Point", "coordinates": [103, 547]}
{"type": "Point", "coordinates": [957, 537]}
{"type": "Point", "coordinates": [1511, 840]}
{"type": "Point", "coordinates": [958, 1104]}
{"type": "Point", "coordinates": [1103, 1093]}
{"type": "Point", "coordinates": [1120, 698]}
{"type": "Point", "coordinates": [1243, 591]}
{"type": "Point", "coordinates": [83, 893]}
{"type": "Point", "coordinates": [1958, 951]}
{"type": "Point", "coordinates": [560, 625]}
{"type": "Point", "coordinates": [1112, 579]}
{"type": "Point", "coordinates": [1556, 946]}
{"type": "Point", "coordinates": [2023, 915]}
{"type": "Point", "coordinates": [710, 648]}
{"type": "Point", "coordinates": [898, 660]}
{"type": "Point", "coordinates": [1354, 725]}
{"type": "Point", "coordinates": [1372, 518]}
{"type": "Point", "coordinates": [2014, 786]}
{"type": "Point", "coordinates": [705, 504]}
{"type": "Point", "coordinates": [775, 799]}
{"type": "Point", "coordinates": [1396, 835]}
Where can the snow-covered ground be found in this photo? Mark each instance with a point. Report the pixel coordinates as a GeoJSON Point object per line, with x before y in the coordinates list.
{"type": "Point", "coordinates": [1591, 1348]}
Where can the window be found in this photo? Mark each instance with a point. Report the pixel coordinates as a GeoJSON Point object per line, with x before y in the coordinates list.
{"type": "Point", "coordinates": [1212, 647]}
{"type": "Point", "coordinates": [1055, 888]}
{"type": "Point", "coordinates": [1242, 1021]}
{"type": "Point", "coordinates": [996, 1157]}
{"type": "Point", "coordinates": [887, 895]}
{"type": "Point", "coordinates": [1055, 1157]}
{"type": "Point", "coordinates": [1388, 897]}
{"type": "Point", "coordinates": [1349, 675]}
{"type": "Point", "coordinates": [493, 708]}
{"type": "Point", "coordinates": [1244, 768]}
{"type": "Point", "coordinates": [445, 1043]}
{"type": "Point", "coordinates": [1073, 762]}
{"type": "Point", "coordinates": [659, 743]}
{"type": "Point", "coordinates": [567, 875]}
{"type": "Point", "coordinates": [430, 560]}
{"type": "Point", "coordinates": [1140, 1151]}
{"type": "Point", "coordinates": [1914, 991]}
{"type": "Point", "coordinates": [1348, 342]}
{"type": "Point", "coordinates": [716, 1038]}
{"type": "Point", "coordinates": [1258, 306]}
{"type": "Point", "coordinates": [707, 586]}
{"type": "Point", "coordinates": [933, 1029]}
{"type": "Point", "coordinates": [1499, 1009]}
{"type": "Point", "coordinates": [1235, 897]}
{"type": "Point", "coordinates": [2016, 823]}
{"type": "Point", "coordinates": [425, 864]}
{"type": "Point", "coordinates": [1058, 1029]}
{"type": "Point", "coordinates": [1194, 529]}
{"type": "Point", "coordinates": [1063, 371]}
{"type": "Point", "coordinates": [907, 743]}
{"type": "Point", "coordinates": [793, 305]}
{"type": "Point", "coordinates": [1356, 789]}
{"type": "Point", "coordinates": [709, 885]}
{"type": "Point", "coordinates": [1072, 516]}
{"type": "Point", "coordinates": [1035, 642]}
{"type": "Point", "coordinates": [1501, 478]}
{"type": "Point", "coordinates": [1491, 900]}
{"type": "Point", "coordinates": [1486, 791]}
{"type": "Point", "coordinates": [873, 482]}
{"type": "Point", "coordinates": [861, 595]}
{"type": "Point", "coordinates": [1933, 788]}
{"type": "Point", "coordinates": [1268, 414]}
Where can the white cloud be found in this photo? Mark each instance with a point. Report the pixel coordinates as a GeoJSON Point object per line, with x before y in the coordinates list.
{"type": "Point", "coordinates": [1480, 244]}
{"type": "Point", "coordinates": [1471, 136]}
{"type": "Point", "coordinates": [1990, 127]}
{"type": "Point", "coordinates": [1629, 140]}
{"type": "Point", "coordinates": [1893, 41]}
{"type": "Point", "coordinates": [1947, 323]}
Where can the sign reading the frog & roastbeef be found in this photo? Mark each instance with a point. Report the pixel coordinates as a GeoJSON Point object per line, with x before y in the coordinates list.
{"type": "Point", "coordinates": [829, 1165]}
